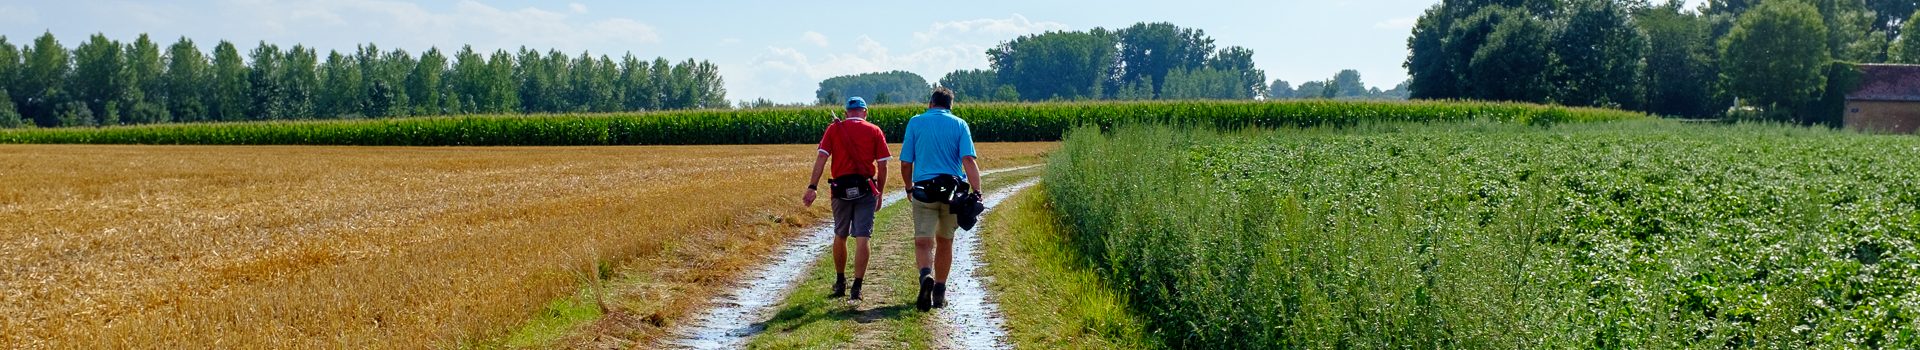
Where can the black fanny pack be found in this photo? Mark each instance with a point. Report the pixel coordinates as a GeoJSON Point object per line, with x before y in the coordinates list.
{"type": "Point", "coordinates": [939, 189]}
{"type": "Point", "coordinates": [851, 187]}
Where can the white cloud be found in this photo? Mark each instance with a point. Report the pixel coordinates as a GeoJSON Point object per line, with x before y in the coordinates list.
{"type": "Point", "coordinates": [815, 38]}
{"type": "Point", "coordinates": [1001, 28]}
{"type": "Point", "coordinates": [577, 7]}
{"type": "Point", "coordinates": [1403, 23]}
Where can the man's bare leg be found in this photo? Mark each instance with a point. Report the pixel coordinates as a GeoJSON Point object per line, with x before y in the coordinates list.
{"type": "Point", "coordinates": [923, 252]}
{"type": "Point", "coordinates": [860, 258]}
{"type": "Point", "coordinates": [840, 255]}
{"type": "Point", "coordinates": [943, 260]}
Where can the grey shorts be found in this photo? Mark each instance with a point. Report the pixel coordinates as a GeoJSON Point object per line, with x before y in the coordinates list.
{"type": "Point", "coordinates": [855, 217]}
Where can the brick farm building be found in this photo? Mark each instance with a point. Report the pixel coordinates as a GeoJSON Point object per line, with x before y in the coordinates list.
{"type": "Point", "coordinates": [1887, 100]}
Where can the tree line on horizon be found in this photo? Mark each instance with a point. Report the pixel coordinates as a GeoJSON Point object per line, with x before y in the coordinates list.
{"type": "Point", "coordinates": [1783, 60]}
{"type": "Point", "coordinates": [103, 82]}
{"type": "Point", "coordinates": [1145, 61]}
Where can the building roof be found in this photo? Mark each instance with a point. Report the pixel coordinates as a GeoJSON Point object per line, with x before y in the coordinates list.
{"type": "Point", "coordinates": [1888, 82]}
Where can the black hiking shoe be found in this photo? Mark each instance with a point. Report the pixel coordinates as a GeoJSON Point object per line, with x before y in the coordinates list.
{"type": "Point", "coordinates": [940, 295]}
{"type": "Point", "coordinates": [840, 289]}
{"type": "Point", "coordinates": [925, 301]}
{"type": "Point", "coordinates": [856, 290]}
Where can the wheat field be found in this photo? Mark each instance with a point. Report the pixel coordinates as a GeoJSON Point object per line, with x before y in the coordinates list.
{"type": "Point", "coordinates": [370, 247]}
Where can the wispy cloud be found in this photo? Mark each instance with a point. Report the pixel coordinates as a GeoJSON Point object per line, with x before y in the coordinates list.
{"type": "Point", "coordinates": [1002, 28]}
{"type": "Point", "coordinates": [815, 38]}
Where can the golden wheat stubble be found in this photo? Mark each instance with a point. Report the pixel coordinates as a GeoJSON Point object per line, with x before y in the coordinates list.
{"type": "Point", "coordinates": [353, 246]}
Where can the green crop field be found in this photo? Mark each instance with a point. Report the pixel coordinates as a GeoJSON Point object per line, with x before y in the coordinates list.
{"type": "Point", "coordinates": [1626, 235]}
{"type": "Point", "coordinates": [996, 122]}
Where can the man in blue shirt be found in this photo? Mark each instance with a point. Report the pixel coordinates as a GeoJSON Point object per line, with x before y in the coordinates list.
{"type": "Point", "coordinates": [937, 157]}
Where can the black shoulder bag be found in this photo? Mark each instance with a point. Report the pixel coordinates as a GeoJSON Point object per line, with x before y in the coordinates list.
{"type": "Point", "coordinates": [851, 187]}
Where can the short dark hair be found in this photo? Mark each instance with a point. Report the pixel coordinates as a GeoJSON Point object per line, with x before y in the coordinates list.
{"type": "Point", "coordinates": [942, 98]}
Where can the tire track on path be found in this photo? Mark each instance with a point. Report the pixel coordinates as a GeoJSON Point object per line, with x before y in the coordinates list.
{"type": "Point", "coordinates": [972, 320]}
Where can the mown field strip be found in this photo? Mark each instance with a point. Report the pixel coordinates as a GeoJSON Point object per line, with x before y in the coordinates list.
{"type": "Point", "coordinates": [736, 314]}
{"type": "Point", "coordinates": [971, 320]}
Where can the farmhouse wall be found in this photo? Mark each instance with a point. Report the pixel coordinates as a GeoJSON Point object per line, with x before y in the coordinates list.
{"type": "Point", "coordinates": [1900, 117]}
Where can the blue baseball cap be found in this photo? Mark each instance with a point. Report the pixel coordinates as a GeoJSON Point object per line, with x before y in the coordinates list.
{"type": "Point", "coordinates": [856, 103]}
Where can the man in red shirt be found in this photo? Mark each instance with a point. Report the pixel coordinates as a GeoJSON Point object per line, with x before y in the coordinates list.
{"type": "Point", "coordinates": [859, 153]}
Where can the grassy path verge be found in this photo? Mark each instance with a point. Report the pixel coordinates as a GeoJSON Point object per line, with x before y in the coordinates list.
{"type": "Point", "coordinates": [1050, 297]}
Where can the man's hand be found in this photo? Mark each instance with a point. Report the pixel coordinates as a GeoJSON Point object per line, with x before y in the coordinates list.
{"type": "Point", "coordinates": [808, 198]}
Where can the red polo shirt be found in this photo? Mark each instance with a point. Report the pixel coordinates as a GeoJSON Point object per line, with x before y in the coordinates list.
{"type": "Point", "coordinates": [854, 144]}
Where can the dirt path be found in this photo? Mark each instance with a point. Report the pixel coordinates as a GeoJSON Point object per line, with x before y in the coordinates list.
{"type": "Point", "coordinates": [738, 314]}
{"type": "Point", "coordinates": [971, 319]}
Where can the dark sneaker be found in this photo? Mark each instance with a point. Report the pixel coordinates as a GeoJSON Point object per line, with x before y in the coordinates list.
{"type": "Point", "coordinates": [856, 290]}
{"type": "Point", "coordinates": [925, 301]}
{"type": "Point", "coordinates": [839, 289]}
{"type": "Point", "coordinates": [940, 295]}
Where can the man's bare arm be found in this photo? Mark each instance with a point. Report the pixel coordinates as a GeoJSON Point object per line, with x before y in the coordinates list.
{"type": "Point", "coordinates": [906, 175]}
{"type": "Point", "coordinates": [973, 172]}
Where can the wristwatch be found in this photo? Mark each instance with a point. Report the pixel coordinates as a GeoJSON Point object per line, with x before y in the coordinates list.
{"type": "Point", "coordinates": [813, 187]}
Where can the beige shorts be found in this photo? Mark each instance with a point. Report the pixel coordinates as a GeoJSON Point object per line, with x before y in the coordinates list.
{"type": "Point", "coordinates": [933, 220]}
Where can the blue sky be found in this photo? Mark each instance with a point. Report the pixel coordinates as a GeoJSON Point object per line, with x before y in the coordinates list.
{"type": "Point", "coordinates": [778, 50]}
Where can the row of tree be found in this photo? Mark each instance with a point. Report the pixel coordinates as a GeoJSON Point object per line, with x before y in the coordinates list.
{"type": "Point", "coordinates": [1773, 55]}
{"type": "Point", "coordinates": [1141, 62]}
{"type": "Point", "coordinates": [1134, 63]}
{"type": "Point", "coordinates": [106, 82]}
{"type": "Point", "coordinates": [1345, 85]}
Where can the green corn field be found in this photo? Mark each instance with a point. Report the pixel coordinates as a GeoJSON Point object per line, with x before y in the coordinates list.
{"type": "Point", "coordinates": [1625, 235]}
{"type": "Point", "coordinates": [1000, 122]}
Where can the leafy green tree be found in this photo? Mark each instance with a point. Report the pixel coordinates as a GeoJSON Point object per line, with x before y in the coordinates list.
{"type": "Point", "coordinates": [1600, 54]}
{"type": "Point", "coordinates": [99, 78]}
{"type": "Point", "coordinates": [1513, 64]}
{"type": "Point", "coordinates": [300, 82]}
{"type": "Point", "coordinates": [1892, 18]}
{"type": "Point", "coordinates": [467, 80]}
{"type": "Point", "coordinates": [1152, 50]}
{"type": "Point", "coordinates": [1347, 85]}
{"type": "Point", "coordinates": [1280, 90]}
{"type": "Point", "coordinates": [895, 84]}
{"type": "Point", "coordinates": [43, 80]}
{"type": "Point", "coordinates": [185, 82]}
{"type": "Point", "coordinates": [979, 85]}
{"type": "Point", "coordinates": [1775, 57]}
{"type": "Point", "coordinates": [340, 90]}
{"type": "Point", "coordinates": [232, 89]}
{"type": "Point", "coordinates": [9, 116]}
{"type": "Point", "coordinates": [142, 100]}
{"type": "Point", "coordinates": [1238, 62]}
{"type": "Point", "coordinates": [1057, 65]}
{"type": "Point", "coordinates": [1907, 49]}
{"type": "Point", "coordinates": [638, 91]}
{"type": "Point", "coordinates": [10, 68]}
{"type": "Point", "coordinates": [426, 84]}
{"type": "Point", "coordinates": [503, 94]}
{"type": "Point", "coordinates": [1428, 66]}
{"type": "Point", "coordinates": [1680, 70]}
{"type": "Point", "coordinates": [1314, 89]}
{"type": "Point", "coordinates": [267, 91]}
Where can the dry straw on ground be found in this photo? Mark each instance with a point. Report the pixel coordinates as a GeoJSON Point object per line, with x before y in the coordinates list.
{"type": "Point", "coordinates": [356, 247]}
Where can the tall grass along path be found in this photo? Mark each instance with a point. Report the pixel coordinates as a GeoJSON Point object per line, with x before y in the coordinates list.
{"type": "Point", "coordinates": [737, 314]}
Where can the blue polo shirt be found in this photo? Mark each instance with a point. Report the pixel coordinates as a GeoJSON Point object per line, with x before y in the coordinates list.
{"type": "Point", "coordinates": [935, 142]}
